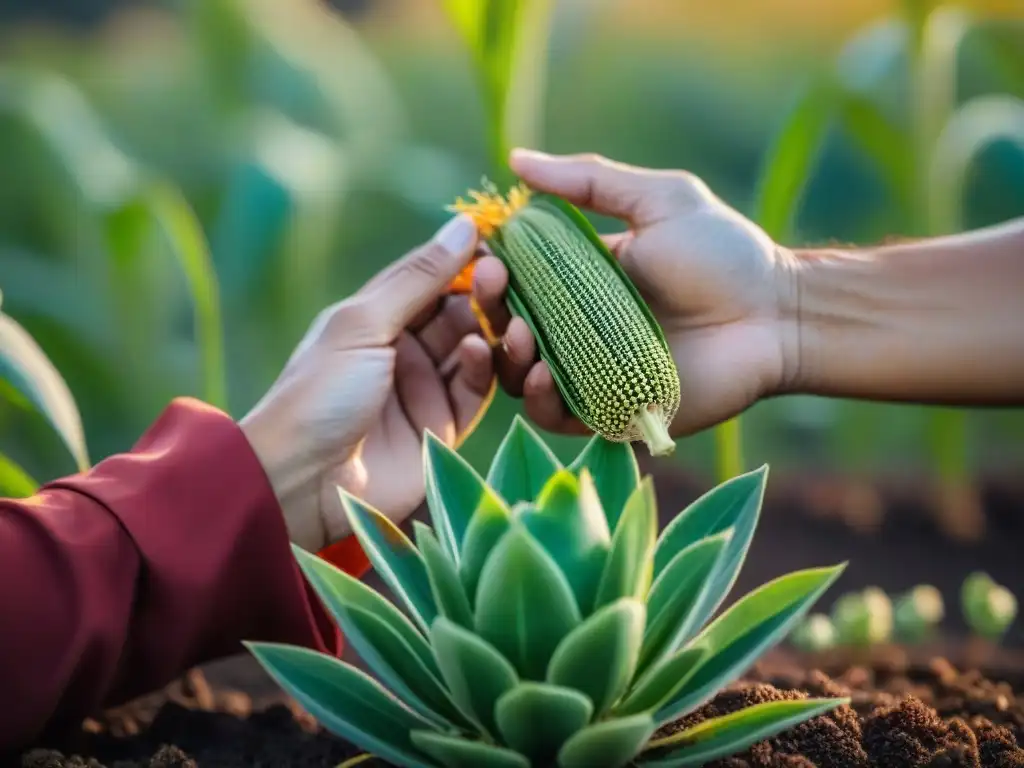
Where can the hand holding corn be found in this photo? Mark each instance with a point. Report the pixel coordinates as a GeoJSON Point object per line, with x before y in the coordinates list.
{"type": "Point", "coordinates": [712, 279]}
{"type": "Point", "coordinates": [746, 318]}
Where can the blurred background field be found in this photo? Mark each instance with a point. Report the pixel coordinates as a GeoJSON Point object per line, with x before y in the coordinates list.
{"type": "Point", "coordinates": [314, 144]}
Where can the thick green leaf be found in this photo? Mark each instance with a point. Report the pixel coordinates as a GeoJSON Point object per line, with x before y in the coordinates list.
{"type": "Point", "coordinates": [475, 671]}
{"type": "Point", "coordinates": [629, 567]}
{"type": "Point", "coordinates": [393, 557]}
{"type": "Point", "coordinates": [662, 682]}
{"type": "Point", "coordinates": [339, 591]}
{"type": "Point", "coordinates": [27, 369]}
{"type": "Point", "coordinates": [615, 471]}
{"type": "Point", "coordinates": [524, 606]}
{"type": "Point", "coordinates": [488, 524]}
{"type": "Point", "coordinates": [454, 492]}
{"type": "Point", "coordinates": [723, 736]}
{"type": "Point", "coordinates": [449, 594]}
{"type": "Point", "coordinates": [536, 719]}
{"type": "Point", "coordinates": [599, 657]}
{"type": "Point", "coordinates": [674, 595]}
{"type": "Point", "coordinates": [523, 464]}
{"type": "Point", "coordinates": [748, 629]}
{"type": "Point", "coordinates": [398, 666]}
{"type": "Point", "coordinates": [457, 752]}
{"type": "Point", "coordinates": [14, 481]}
{"type": "Point", "coordinates": [611, 744]}
{"type": "Point", "coordinates": [569, 523]}
{"type": "Point", "coordinates": [736, 505]}
{"type": "Point", "coordinates": [791, 158]}
{"type": "Point", "coordinates": [345, 701]}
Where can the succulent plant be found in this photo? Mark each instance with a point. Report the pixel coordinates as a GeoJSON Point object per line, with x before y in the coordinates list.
{"type": "Point", "coordinates": [546, 623]}
{"type": "Point", "coordinates": [863, 618]}
{"type": "Point", "coordinates": [918, 612]}
{"type": "Point", "coordinates": [988, 607]}
{"type": "Point", "coordinates": [815, 633]}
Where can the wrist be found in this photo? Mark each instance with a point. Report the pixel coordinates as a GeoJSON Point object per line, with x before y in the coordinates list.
{"type": "Point", "coordinates": [788, 276]}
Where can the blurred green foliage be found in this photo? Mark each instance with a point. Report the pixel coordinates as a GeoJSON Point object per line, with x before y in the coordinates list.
{"type": "Point", "coordinates": [182, 199]}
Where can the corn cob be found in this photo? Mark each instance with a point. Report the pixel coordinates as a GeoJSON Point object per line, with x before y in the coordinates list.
{"type": "Point", "coordinates": [605, 350]}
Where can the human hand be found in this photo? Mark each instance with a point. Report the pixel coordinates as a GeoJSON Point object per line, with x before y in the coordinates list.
{"type": "Point", "coordinates": [374, 372]}
{"type": "Point", "coordinates": [722, 290]}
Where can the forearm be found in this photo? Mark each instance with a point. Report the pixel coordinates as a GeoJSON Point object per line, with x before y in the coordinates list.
{"type": "Point", "coordinates": [933, 321]}
{"type": "Point", "coordinates": [114, 582]}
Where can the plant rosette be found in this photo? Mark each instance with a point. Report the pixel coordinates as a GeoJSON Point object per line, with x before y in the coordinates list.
{"type": "Point", "coordinates": [545, 622]}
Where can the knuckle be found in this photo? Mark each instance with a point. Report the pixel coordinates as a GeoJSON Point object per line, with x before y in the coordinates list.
{"type": "Point", "coordinates": [348, 316]}
{"type": "Point", "coordinates": [686, 187]}
{"type": "Point", "coordinates": [427, 262]}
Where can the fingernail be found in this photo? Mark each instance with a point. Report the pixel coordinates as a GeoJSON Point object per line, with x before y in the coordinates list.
{"type": "Point", "coordinates": [456, 235]}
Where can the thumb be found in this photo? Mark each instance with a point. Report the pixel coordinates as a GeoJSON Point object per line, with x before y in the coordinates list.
{"type": "Point", "coordinates": [418, 279]}
{"type": "Point", "coordinates": [641, 196]}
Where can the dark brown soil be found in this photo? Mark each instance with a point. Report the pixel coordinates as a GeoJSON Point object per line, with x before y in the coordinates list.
{"type": "Point", "coordinates": [901, 716]}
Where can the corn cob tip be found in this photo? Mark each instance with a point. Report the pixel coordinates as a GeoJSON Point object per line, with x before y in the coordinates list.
{"type": "Point", "coordinates": [489, 209]}
{"type": "Point", "coordinates": [650, 423]}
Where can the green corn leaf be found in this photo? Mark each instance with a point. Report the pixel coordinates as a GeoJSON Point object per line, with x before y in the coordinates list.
{"type": "Point", "coordinates": [629, 567]}
{"type": "Point", "coordinates": [735, 504]}
{"type": "Point", "coordinates": [15, 482]}
{"type": "Point", "coordinates": [569, 523]}
{"type": "Point", "coordinates": [488, 524]}
{"type": "Point", "coordinates": [454, 491]}
{"type": "Point", "coordinates": [339, 591]}
{"type": "Point", "coordinates": [345, 701]}
{"type": "Point", "coordinates": [476, 673]}
{"type": "Point", "coordinates": [723, 736]}
{"type": "Point", "coordinates": [747, 630]}
{"type": "Point", "coordinates": [611, 744]}
{"type": "Point", "coordinates": [27, 369]}
{"type": "Point", "coordinates": [175, 219]}
{"type": "Point", "coordinates": [791, 159]}
{"type": "Point", "coordinates": [885, 144]}
{"type": "Point", "coordinates": [393, 557]}
{"type": "Point", "coordinates": [598, 658]}
{"type": "Point", "coordinates": [674, 595]}
{"type": "Point", "coordinates": [536, 719]}
{"type": "Point", "coordinates": [662, 682]}
{"type": "Point", "coordinates": [505, 39]}
{"type": "Point", "coordinates": [615, 471]}
{"type": "Point", "coordinates": [449, 594]}
{"type": "Point", "coordinates": [457, 752]}
{"type": "Point", "coordinates": [522, 465]}
{"type": "Point", "coordinates": [524, 606]}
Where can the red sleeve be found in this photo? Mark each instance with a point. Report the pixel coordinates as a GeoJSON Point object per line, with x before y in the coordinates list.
{"type": "Point", "coordinates": [114, 582]}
